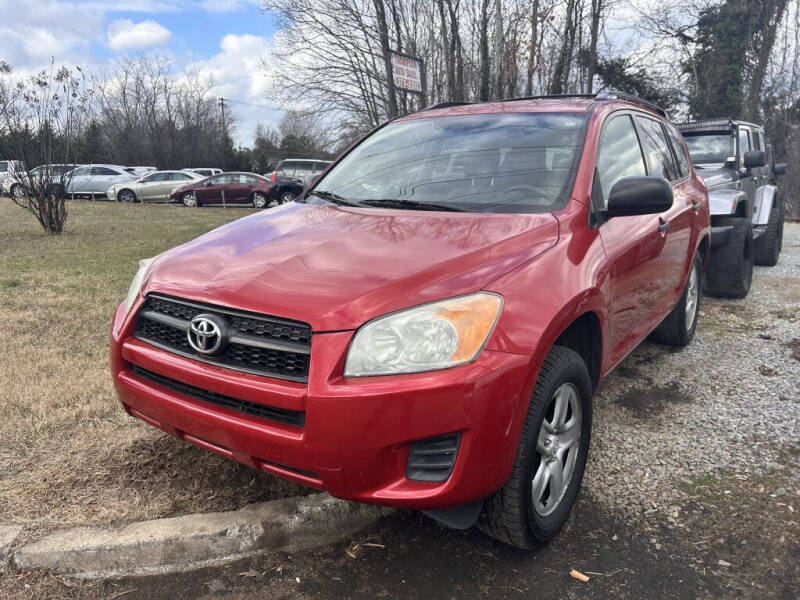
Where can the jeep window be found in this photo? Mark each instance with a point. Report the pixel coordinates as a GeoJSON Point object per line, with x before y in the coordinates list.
{"type": "Point", "coordinates": [710, 147]}
{"type": "Point", "coordinates": [618, 156]}
{"type": "Point", "coordinates": [744, 141]}
{"type": "Point", "coordinates": [519, 162]}
{"type": "Point", "coordinates": [679, 150]}
{"type": "Point", "coordinates": [656, 149]}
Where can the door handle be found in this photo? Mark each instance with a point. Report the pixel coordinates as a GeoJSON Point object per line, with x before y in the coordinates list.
{"type": "Point", "coordinates": [695, 205]}
{"type": "Point", "coordinates": [663, 226]}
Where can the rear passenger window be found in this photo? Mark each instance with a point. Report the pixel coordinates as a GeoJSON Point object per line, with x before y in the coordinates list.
{"type": "Point", "coordinates": [656, 149]}
{"type": "Point", "coordinates": [618, 156]}
{"type": "Point", "coordinates": [680, 151]}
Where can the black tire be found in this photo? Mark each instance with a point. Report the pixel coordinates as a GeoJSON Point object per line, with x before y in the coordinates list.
{"type": "Point", "coordinates": [678, 328]}
{"type": "Point", "coordinates": [730, 267]}
{"type": "Point", "coordinates": [127, 195]}
{"type": "Point", "coordinates": [286, 197]}
{"type": "Point", "coordinates": [768, 246]}
{"type": "Point", "coordinates": [16, 191]}
{"type": "Point", "coordinates": [508, 514]}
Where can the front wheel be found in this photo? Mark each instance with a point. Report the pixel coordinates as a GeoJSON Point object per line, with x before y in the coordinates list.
{"type": "Point", "coordinates": [126, 196]}
{"type": "Point", "coordinates": [678, 328]}
{"type": "Point", "coordinates": [189, 199]}
{"type": "Point", "coordinates": [551, 456]}
{"type": "Point", "coordinates": [17, 191]}
{"type": "Point", "coordinates": [287, 197]}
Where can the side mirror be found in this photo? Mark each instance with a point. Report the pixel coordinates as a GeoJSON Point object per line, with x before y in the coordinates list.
{"type": "Point", "coordinates": [639, 196]}
{"type": "Point", "coordinates": [754, 158]}
{"type": "Point", "coordinates": [780, 168]}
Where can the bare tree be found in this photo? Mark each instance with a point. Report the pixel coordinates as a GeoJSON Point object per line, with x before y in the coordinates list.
{"type": "Point", "coordinates": [41, 118]}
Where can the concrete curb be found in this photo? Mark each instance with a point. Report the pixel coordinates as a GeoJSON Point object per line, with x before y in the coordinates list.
{"type": "Point", "coordinates": [199, 540]}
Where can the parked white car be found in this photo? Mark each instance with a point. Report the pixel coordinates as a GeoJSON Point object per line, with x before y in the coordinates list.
{"type": "Point", "coordinates": [139, 171]}
{"type": "Point", "coordinates": [154, 186]}
{"type": "Point", "coordinates": [205, 171]}
{"type": "Point", "coordinates": [96, 179]}
{"type": "Point", "coordinates": [11, 173]}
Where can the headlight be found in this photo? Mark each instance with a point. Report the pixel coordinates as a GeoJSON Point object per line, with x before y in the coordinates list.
{"type": "Point", "coordinates": [425, 338]}
{"type": "Point", "coordinates": [138, 281]}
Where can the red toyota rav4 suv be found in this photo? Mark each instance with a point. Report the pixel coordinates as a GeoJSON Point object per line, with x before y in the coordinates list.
{"type": "Point", "coordinates": [425, 327]}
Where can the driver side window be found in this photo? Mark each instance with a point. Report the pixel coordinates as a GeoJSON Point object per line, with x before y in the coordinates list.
{"type": "Point", "coordinates": [619, 155]}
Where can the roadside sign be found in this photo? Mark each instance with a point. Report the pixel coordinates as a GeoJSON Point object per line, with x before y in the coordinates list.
{"type": "Point", "coordinates": [407, 71]}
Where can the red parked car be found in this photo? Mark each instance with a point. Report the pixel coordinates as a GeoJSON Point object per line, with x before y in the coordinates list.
{"type": "Point", "coordinates": [425, 327]}
{"type": "Point", "coordinates": [227, 188]}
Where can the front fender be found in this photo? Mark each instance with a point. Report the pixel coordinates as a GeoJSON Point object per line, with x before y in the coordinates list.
{"type": "Point", "coordinates": [724, 202]}
{"type": "Point", "coordinates": [764, 202]}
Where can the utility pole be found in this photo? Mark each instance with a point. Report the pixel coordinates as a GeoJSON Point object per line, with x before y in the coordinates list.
{"type": "Point", "coordinates": [222, 106]}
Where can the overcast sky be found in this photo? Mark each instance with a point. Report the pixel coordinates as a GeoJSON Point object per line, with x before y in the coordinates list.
{"type": "Point", "coordinates": [226, 39]}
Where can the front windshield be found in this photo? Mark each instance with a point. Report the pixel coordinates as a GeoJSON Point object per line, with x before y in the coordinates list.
{"type": "Point", "coordinates": [705, 148]}
{"type": "Point", "coordinates": [520, 162]}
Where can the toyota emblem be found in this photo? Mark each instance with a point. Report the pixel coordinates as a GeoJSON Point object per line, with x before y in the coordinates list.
{"type": "Point", "coordinates": [205, 334]}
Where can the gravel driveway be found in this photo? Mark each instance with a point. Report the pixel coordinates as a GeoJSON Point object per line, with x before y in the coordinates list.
{"type": "Point", "coordinates": [727, 404]}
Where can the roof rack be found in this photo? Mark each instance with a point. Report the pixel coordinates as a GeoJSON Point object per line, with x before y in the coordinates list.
{"type": "Point", "coordinates": [446, 105]}
{"type": "Point", "coordinates": [633, 98]}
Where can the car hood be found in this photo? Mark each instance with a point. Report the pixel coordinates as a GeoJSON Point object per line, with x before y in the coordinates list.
{"type": "Point", "coordinates": [716, 178]}
{"type": "Point", "coordinates": [337, 267]}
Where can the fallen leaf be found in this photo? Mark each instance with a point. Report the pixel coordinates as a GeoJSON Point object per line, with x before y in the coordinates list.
{"type": "Point", "coordinates": [578, 575]}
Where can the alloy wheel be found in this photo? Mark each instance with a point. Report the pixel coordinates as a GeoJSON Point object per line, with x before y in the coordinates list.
{"type": "Point", "coordinates": [259, 201]}
{"type": "Point", "coordinates": [692, 296]}
{"type": "Point", "coordinates": [127, 196]}
{"type": "Point", "coordinates": [557, 444]}
{"type": "Point", "coordinates": [189, 199]}
{"type": "Point", "coordinates": [287, 197]}
{"type": "Point", "coordinates": [17, 191]}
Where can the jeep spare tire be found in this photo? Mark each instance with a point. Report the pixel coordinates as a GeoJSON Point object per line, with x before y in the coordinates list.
{"type": "Point", "coordinates": [730, 268]}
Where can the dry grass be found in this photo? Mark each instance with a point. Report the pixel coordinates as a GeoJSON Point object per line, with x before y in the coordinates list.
{"type": "Point", "coordinates": [69, 455]}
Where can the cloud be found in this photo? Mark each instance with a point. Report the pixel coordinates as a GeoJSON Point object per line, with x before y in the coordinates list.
{"type": "Point", "coordinates": [239, 76]}
{"type": "Point", "coordinates": [124, 34]}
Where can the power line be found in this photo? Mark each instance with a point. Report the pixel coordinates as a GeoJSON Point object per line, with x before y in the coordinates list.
{"type": "Point", "coordinates": [249, 104]}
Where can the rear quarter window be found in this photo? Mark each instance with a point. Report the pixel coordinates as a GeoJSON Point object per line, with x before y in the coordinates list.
{"type": "Point", "coordinates": [680, 150]}
{"type": "Point", "coordinates": [656, 149]}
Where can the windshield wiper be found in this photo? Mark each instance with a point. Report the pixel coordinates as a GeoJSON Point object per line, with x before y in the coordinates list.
{"type": "Point", "coordinates": [335, 198]}
{"type": "Point", "coordinates": [412, 205]}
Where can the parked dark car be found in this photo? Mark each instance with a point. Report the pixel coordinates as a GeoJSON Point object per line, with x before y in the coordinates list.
{"type": "Point", "coordinates": [425, 327]}
{"type": "Point", "coordinates": [228, 188]}
{"type": "Point", "coordinates": [292, 175]}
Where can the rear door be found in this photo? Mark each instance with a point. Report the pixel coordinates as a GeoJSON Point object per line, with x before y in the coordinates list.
{"type": "Point", "coordinates": [677, 223]}
{"type": "Point", "coordinates": [633, 244]}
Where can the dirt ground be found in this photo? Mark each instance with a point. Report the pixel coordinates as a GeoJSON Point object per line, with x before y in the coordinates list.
{"type": "Point", "coordinates": [692, 489]}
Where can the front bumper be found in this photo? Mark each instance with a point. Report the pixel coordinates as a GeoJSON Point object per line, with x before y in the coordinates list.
{"type": "Point", "coordinates": [111, 194]}
{"type": "Point", "coordinates": [357, 432]}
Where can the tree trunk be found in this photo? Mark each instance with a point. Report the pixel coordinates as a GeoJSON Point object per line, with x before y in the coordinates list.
{"type": "Point", "coordinates": [561, 70]}
{"type": "Point", "coordinates": [772, 14]}
{"type": "Point", "coordinates": [594, 32]}
{"type": "Point", "coordinates": [383, 32]}
{"type": "Point", "coordinates": [532, 47]}
{"type": "Point", "coordinates": [498, 49]}
{"type": "Point", "coordinates": [483, 43]}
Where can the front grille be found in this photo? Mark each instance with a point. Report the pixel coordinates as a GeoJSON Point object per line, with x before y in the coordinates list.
{"type": "Point", "coordinates": [281, 415]}
{"type": "Point", "coordinates": [257, 344]}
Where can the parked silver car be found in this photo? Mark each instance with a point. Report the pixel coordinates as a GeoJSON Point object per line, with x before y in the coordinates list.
{"type": "Point", "coordinates": [154, 186]}
{"type": "Point", "coordinates": [11, 173]}
{"type": "Point", "coordinates": [96, 179]}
